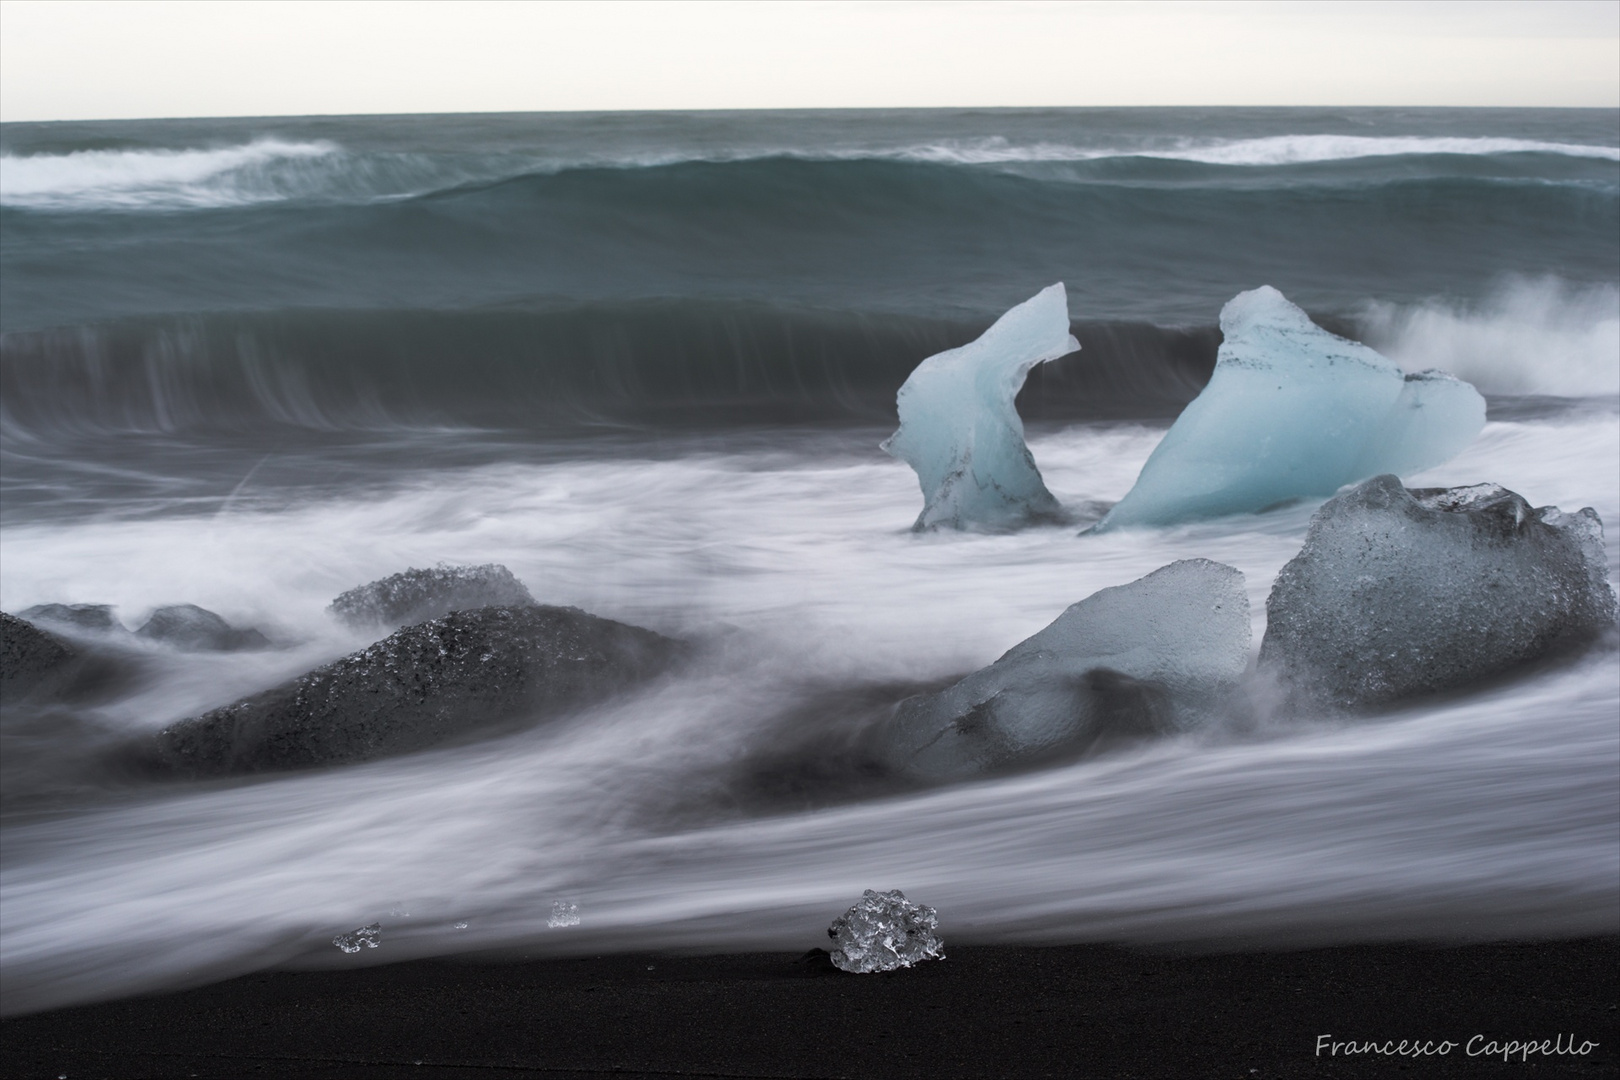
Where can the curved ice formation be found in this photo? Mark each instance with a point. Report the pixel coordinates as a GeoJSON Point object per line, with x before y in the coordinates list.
{"type": "Point", "coordinates": [1125, 662]}
{"type": "Point", "coordinates": [1398, 593]}
{"type": "Point", "coordinates": [1293, 411]}
{"type": "Point", "coordinates": [960, 431]}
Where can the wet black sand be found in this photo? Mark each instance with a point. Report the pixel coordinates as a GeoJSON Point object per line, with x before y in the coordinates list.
{"type": "Point", "coordinates": [1092, 1011]}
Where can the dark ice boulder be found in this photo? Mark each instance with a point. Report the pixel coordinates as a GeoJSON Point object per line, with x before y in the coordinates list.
{"type": "Point", "coordinates": [1126, 662]}
{"type": "Point", "coordinates": [38, 667]}
{"type": "Point", "coordinates": [1398, 593]}
{"type": "Point", "coordinates": [187, 626]}
{"type": "Point", "coordinates": [423, 685]}
{"type": "Point", "coordinates": [417, 595]}
{"type": "Point", "coordinates": [30, 657]}
{"type": "Point", "coordinates": [94, 618]}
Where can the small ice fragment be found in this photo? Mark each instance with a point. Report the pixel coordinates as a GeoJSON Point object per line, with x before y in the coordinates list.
{"type": "Point", "coordinates": [961, 433]}
{"type": "Point", "coordinates": [885, 931]}
{"type": "Point", "coordinates": [461, 926]}
{"type": "Point", "coordinates": [563, 914]}
{"type": "Point", "coordinates": [364, 938]}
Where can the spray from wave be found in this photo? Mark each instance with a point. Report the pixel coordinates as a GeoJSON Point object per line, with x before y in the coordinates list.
{"type": "Point", "coordinates": [1530, 336]}
{"type": "Point", "coordinates": [1302, 149]}
{"type": "Point", "coordinates": [1271, 150]}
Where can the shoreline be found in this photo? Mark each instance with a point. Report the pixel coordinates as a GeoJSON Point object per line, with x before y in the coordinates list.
{"type": "Point", "coordinates": [1015, 1011]}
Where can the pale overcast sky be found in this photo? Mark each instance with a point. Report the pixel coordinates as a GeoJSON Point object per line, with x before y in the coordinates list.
{"type": "Point", "coordinates": [66, 60]}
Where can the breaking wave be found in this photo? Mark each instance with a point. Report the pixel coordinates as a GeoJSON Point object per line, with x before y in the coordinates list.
{"type": "Point", "coordinates": [259, 171]}
{"type": "Point", "coordinates": [1530, 336]}
{"type": "Point", "coordinates": [1271, 150]}
{"type": "Point", "coordinates": [1300, 149]}
{"type": "Point", "coordinates": [648, 362]}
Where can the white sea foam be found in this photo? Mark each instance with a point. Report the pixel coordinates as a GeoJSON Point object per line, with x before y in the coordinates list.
{"type": "Point", "coordinates": [153, 179]}
{"type": "Point", "coordinates": [1530, 336]}
{"type": "Point", "coordinates": [1498, 815]}
{"type": "Point", "coordinates": [1300, 149]}
{"type": "Point", "coordinates": [1270, 150]}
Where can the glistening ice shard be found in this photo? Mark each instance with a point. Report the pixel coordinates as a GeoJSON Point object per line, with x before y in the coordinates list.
{"type": "Point", "coordinates": [1293, 411]}
{"type": "Point", "coordinates": [961, 433]}
{"type": "Point", "coordinates": [883, 932]}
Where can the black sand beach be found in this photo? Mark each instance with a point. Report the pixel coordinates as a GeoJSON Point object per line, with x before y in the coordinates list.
{"type": "Point", "coordinates": [1085, 1010]}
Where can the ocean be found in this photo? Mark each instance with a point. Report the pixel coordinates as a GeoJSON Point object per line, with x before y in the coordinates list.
{"type": "Point", "coordinates": [645, 361]}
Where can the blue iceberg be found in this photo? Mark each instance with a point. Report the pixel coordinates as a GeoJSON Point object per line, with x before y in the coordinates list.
{"type": "Point", "coordinates": [960, 431]}
{"type": "Point", "coordinates": [1125, 663]}
{"type": "Point", "coordinates": [1293, 411]}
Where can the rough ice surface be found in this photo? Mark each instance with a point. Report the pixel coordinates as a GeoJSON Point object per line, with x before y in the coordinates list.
{"type": "Point", "coordinates": [1124, 663]}
{"type": "Point", "coordinates": [1398, 593]}
{"type": "Point", "coordinates": [563, 914]}
{"type": "Point", "coordinates": [885, 931]}
{"type": "Point", "coordinates": [1293, 411]}
{"type": "Point", "coordinates": [961, 433]}
{"type": "Point", "coordinates": [366, 937]}
{"type": "Point", "coordinates": [187, 626]}
{"type": "Point", "coordinates": [419, 686]}
{"type": "Point", "coordinates": [418, 595]}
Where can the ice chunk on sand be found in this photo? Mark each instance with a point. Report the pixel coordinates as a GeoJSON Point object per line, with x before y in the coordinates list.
{"type": "Point", "coordinates": [563, 914]}
{"type": "Point", "coordinates": [418, 595]}
{"type": "Point", "coordinates": [960, 431]}
{"type": "Point", "coordinates": [1126, 662]}
{"type": "Point", "coordinates": [885, 931]}
{"type": "Point", "coordinates": [1293, 411]}
{"type": "Point", "coordinates": [366, 937]}
{"type": "Point", "coordinates": [1399, 592]}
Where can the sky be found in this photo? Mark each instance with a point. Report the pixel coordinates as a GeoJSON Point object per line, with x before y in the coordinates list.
{"type": "Point", "coordinates": [71, 60]}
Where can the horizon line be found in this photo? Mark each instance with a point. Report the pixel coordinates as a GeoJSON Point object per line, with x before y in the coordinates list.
{"type": "Point", "coordinates": [795, 109]}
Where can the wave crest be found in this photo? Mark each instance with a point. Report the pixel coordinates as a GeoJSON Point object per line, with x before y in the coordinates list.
{"type": "Point", "coordinates": [274, 169]}
{"type": "Point", "coordinates": [153, 179]}
{"type": "Point", "coordinates": [1268, 151]}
